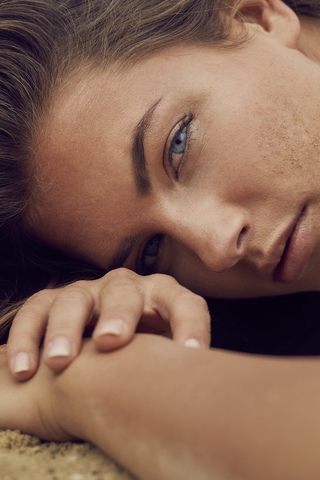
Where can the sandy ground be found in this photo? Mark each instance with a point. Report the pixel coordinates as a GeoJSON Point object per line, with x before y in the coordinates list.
{"type": "Point", "coordinates": [23, 457]}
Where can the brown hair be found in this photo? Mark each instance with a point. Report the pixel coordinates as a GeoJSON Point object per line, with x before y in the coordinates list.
{"type": "Point", "coordinates": [41, 41]}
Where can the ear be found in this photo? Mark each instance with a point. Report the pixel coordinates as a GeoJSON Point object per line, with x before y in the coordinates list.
{"type": "Point", "coordinates": [272, 17]}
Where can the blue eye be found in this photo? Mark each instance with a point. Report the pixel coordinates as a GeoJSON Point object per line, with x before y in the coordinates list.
{"type": "Point", "coordinates": [149, 257]}
{"type": "Point", "coordinates": [179, 144]}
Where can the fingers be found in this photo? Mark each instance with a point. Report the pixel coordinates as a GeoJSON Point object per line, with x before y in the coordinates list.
{"type": "Point", "coordinates": [26, 333]}
{"type": "Point", "coordinates": [187, 312]}
{"type": "Point", "coordinates": [190, 320]}
{"type": "Point", "coordinates": [159, 302]}
{"type": "Point", "coordinates": [121, 307]}
{"type": "Point", "coordinates": [117, 302]}
{"type": "Point", "coordinates": [60, 315]}
{"type": "Point", "coordinates": [72, 308]}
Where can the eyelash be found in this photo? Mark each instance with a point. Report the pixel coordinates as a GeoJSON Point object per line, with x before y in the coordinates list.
{"type": "Point", "coordinates": [184, 124]}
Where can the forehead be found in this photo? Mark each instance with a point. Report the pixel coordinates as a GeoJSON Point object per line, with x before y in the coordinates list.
{"type": "Point", "coordinates": [96, 107]}
{"type": "Point", "coordinates": [83, 153]}
{"type": "Point", "coordinates": [81, 165]}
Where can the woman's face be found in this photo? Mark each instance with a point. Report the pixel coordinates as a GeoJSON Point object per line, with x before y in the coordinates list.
{"type": "Point", "coordinates": [197, 162]}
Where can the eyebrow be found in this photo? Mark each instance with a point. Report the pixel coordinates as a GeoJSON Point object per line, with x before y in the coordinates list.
{"type": "Point", "coordinates": [139, 161]}
{"type": "Point", "coordinates": [142, 179]}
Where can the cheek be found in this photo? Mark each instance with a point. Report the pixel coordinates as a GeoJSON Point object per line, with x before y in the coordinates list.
{"type": "Point", "coordinates": [186, 267]}
{"type": "Point", "coordinates": [258, 151]}
{"type": "Point", "coordinates": [231, 153]}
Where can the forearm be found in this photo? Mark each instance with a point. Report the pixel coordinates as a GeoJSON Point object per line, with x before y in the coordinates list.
{"type": "Point", "coordinates": [167, 412]}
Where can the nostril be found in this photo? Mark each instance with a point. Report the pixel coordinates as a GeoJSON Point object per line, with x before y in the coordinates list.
{"type": "Point", "coordinates": [241, 238]}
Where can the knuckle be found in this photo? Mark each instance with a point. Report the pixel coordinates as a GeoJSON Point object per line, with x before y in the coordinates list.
{"type": "Point", "coordinates": [25, 339]}
{"type": "Point", "coordinates": [201, 302]}
{"type": "Point", "coordinates": [186, 296]}
{"type": "Point", "coordinates": [121, 274]}
{"type": "Point", "coordinates": [25, 312]}
{"type": "Point", "coordinates": [123, 281]}
{"type": "Point", "coordinates": [124, 289]}
{"type": "Point", "coordinates": [161, 278]}
{"type": "Point", "coordinates": [81, 284]}
{"type": "Point", "coordinates": [42, 296]}
{"type": "Point", "coordinates": [158, 282]}
{"type": "Point", "coordinates": [38, 302]}
{"type": "Point", "coordinates": [76, 292]}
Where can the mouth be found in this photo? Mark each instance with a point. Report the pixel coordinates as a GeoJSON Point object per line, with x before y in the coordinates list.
{"type": "Point", "coordinates": [297, 250]}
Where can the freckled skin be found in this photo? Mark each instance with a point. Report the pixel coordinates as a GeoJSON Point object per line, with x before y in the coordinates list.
{"type": "Point", "coordinates": [251, 168]}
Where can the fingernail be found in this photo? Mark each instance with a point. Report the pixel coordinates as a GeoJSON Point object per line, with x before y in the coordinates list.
{"type": "Point", "coordinates": [110, 327]}
{"type": "Point", "coordinates": [192, 342]}
{"type": "Point", "coordinates": [21, 363]}
{"type": "Point", "coordinates": [60, 347]}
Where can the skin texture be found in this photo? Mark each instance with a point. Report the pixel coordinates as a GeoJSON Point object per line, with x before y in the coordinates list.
{"type": "Point", "coordinates": [198, 413]}
{"type": "Point", "coordinates": [249, 170]}
{"type": "Point", "coordinates": [255, 418]}
{"type": "Point", "coordinates": [117, 302]}
{"type": "Point", "coordinates": [225, 207]}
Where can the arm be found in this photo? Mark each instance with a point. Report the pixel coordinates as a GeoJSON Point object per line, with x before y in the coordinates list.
{"type": "Point", "coordinates": [166, 412]}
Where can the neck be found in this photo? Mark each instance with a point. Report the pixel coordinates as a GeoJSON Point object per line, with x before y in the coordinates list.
{"type": "Point", "coordinates": [309, 41]}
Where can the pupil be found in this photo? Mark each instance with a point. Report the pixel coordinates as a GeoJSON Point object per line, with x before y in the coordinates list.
{"type": "Point", "coordinates": [180, 141]}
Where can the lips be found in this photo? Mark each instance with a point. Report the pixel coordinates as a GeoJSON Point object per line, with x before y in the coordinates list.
{"type": "Point", "coordinates": [297, 251]}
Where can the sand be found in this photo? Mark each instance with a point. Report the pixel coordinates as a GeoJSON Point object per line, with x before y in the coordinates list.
{"type": "Point", "coordinates": [24, 457]}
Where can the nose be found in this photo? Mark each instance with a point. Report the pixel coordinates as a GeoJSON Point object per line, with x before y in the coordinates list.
{"type": "Point", "coordinates": [220, 238]}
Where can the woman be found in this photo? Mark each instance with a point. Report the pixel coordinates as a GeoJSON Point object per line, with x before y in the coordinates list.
{"type": "Point", "coordinates": [193, 155]}
{"type": "Point", "coordinates": [240, 259]}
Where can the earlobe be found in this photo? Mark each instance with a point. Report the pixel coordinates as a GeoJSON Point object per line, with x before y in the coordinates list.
{"type": "Point", "coordinates": [273, 17]}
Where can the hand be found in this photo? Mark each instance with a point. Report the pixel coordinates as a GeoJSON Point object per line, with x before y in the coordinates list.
{"type": "Point", "coordinates": [158, 397]}
{"type": "Point", "coordinates": [113, 307]}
